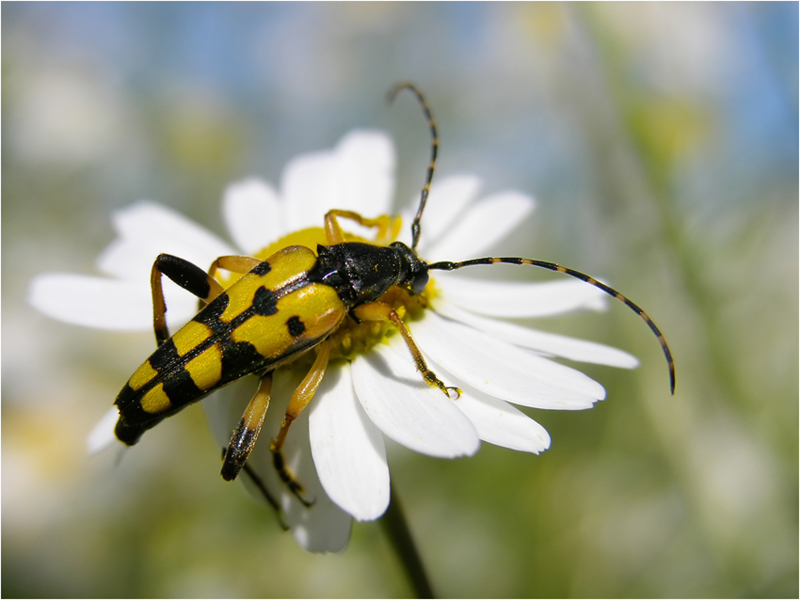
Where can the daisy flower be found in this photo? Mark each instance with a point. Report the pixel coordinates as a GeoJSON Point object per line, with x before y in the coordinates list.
{"type": "Point", "coordinates": [371, 391]}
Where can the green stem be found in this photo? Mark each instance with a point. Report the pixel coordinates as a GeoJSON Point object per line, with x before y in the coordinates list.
{"type": "Point", "coordinates": [396, 528]}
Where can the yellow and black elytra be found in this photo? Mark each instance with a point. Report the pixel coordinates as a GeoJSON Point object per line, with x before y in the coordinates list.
{"type": "Point", "coordinates": [280, 309]}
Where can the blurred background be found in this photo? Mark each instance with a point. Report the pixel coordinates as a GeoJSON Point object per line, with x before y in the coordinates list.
{"type": "Point", "coordinates": [661, 142]}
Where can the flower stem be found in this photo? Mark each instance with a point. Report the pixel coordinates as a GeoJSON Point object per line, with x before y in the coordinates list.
{"type": "Point", "coordinates": [396, 527]}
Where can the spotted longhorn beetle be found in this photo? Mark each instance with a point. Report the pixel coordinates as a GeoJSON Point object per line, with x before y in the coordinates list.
{"type": "Point", "coordinates": [280, 309]}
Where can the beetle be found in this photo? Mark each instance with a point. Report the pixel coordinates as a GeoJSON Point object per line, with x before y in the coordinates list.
{"type": "Point", "coordinates": [284, 307]}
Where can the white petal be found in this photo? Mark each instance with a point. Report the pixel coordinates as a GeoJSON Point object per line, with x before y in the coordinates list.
{"type": "Point", "coordinates": [348, 448]}
{"type": "Point", "coordinates": [107, 303]}
{"type": "Point", "coordinates": [357, 175]}
{"type": "Point", "coordinates": [512, 299]}
{"type": "Point", "coordinates": [404, 407]}
{"type": "Point", "coordinates": [546, 343]}
{"type": "Point", "coordinates": [224, 408]}
{"type": "Point", "coordinates": [501, 424]}
{"type": "Point", "coordinates": [323, 527]}
{"type": "Point", "coordinates": [502, 370]}
{"type": "Point", "coordinates": [146, 230]}
{"type": "Point", "coordinates": [102, 435]}
{"type": "Point", "coordinates": [253, 214]}
{"type": "Point", "coordinates": [481, 227]}
{"type": "Point", "coordinates": [447, 201]}
{"type": "Point", "coordinates": [92, 301]}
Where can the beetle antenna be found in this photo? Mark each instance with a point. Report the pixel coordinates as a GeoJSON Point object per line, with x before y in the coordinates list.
{"type": "Point", "coordinates": [452, 266]}
{"type": "Point", "coordinates": [415, 226]}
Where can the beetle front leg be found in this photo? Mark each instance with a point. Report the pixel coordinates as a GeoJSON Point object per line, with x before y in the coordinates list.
{"type": "Point", "coordinates": [300, 399]}
{"type": "Point", "coordinates": [334, 234]}
{"type": "Point", "coordinates": [378, 311]}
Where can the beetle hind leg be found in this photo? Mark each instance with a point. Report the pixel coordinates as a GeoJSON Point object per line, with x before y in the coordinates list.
{"type": "Point", "coordinates": [300, 399]}
{"type": "Point", "coordinates": [246, 433]}
{"type": "Point", "coordinates": [191, 278]}
{"type": "Point", "coordinates": [187, 275]}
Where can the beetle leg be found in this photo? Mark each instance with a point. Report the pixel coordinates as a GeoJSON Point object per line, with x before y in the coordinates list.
{"type": "Point", "coordinates": [300, 399]}
{"type": "Point", "coordinates": [335, 235]}
{"type": "Point", "coordinates": [191, 278]}
{"type": "Point", "coordinates": [187, 275]}
{"type": "Point", "coordinates": [262, 488]}
{"type": "Point", "coordinates": [246, 433]}
{"type": "Point", "coordinates": [234, 264]}
{"type": "Point", "coordinates": [258, 483]}
{"type": "Point", "coordinates": [378, 311]}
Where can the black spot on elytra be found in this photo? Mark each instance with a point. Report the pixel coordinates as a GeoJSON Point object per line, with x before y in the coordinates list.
{"type": "Point", "coordinates": [238, 359]}
{"type": "Point", "coordinates": [164, 357]}
{"type": "Point", "coordinates": [264, 302]}
{"type": "Point", "coordinates": [210, 314]}
{"type": "Point", "coordinates": [296, 326]}
{"type": "Point", "coordinates": [126, 397]}
{"type": "Point", "coordinates": [261, 269]}
{"type": "Point", "coordinates": [181, 388]}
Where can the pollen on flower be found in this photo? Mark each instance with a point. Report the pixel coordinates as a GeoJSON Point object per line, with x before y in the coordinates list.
{"type": "Point", "coordinates": [352, 338]}
{"type": "Point", "coordinates": [309, 238]}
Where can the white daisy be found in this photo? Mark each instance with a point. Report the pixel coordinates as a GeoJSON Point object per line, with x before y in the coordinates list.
{"type": "Point", "coordinates": [377, 392]}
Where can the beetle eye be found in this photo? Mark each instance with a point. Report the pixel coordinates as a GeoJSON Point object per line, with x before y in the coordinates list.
{"type": "Point", "coordinates": [419, 282]}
